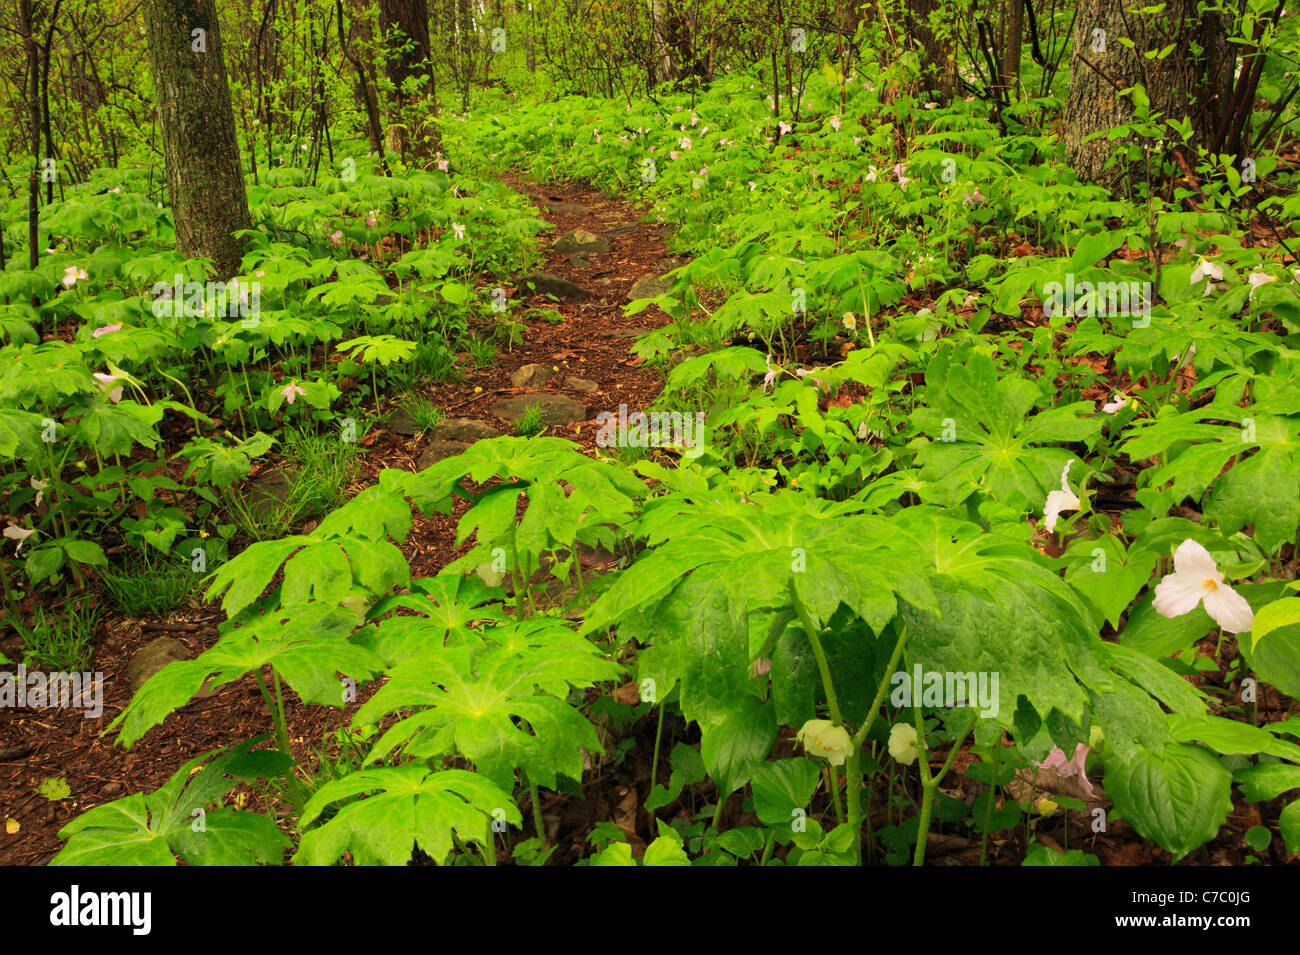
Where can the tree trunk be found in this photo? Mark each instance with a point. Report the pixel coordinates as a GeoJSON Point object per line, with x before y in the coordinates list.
{"type": "Point", "coordinates": [403, 23]}
{"type": "Point", "coordinates": [1183, 84]}
{"type": "Point", "coordinates": [938, 65]}
{"type": "Point", "coordinates": [200, 149]}
{"type": "Point", "coordinates": [1012, 44]}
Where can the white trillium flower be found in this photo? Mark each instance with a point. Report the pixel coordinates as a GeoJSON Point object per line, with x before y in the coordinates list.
{"type": "Point", "coordinates": [39, 487]}
{"type": "Point", "coordinates": [1256, 279]}
{"type": "Point", "coordinates": [1197, 578]}
{"type": "Point", "coordinates": [1206, 269]}
{"type": "Point", "coordinates": [1058, 501]}
{"type": "Point", "coordinates": [18, 533]}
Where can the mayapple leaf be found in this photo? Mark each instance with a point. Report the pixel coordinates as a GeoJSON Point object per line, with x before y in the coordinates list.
{"type": "Point", "coordinates": [178, 819]}
{"type": "Point", "coordinates": [405, 807]}
{"type": "Point", "coordinates": [307, 646]}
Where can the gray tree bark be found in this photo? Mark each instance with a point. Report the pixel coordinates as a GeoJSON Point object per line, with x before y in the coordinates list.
{"type": "Point", "coordinates": [204, 176]}
{"type": "Point", "coordinates": [1193, 81]}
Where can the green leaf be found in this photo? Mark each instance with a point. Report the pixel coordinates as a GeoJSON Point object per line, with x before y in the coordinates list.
{"type": "Point", "coordinates": [175, 820]}
{"type": "Point", "coordinates": [1288, 823]}
{"type": "Point", "coordinates": [405, 806]}
{"type": "Point", "coordinates": [1267, 780]}
{"type": "Point", "coordinates": [500, 699]}
{"type": "Point", "coordinates": [85, 552]}
{"type": "Point", "coordinates": [1178, 799]}
{"type": "Point", "coordinates": [666, 849]}
{"type": "Point", "coordinates": [1270, 617]}
{"type": "Point", "coordinates": [783, 789]}
{"type": "Point", "coordinates": [731, 749]}
{"type": "Point", "coordinates": [688, 769]}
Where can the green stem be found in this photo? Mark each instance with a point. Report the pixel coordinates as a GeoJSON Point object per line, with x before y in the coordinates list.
{"type": "Point", "coordinates": [988, 810]}
{"type": "Point", "coordinates": [930, 783]}
{"type": "Point", "coordinates": [654, 763]}
{"type": "Point", "coordinates": [490, 845]}
{"type": "Point", "coordinates": [538, 823]}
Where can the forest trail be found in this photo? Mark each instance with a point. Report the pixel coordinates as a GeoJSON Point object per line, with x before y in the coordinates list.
{"type": "Point", "coordinates": [589, 347]}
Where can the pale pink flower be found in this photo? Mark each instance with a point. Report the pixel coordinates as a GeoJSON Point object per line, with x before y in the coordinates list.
{"type": "Point", "coordinates": [106, 330]}
{"type": "Point", "coordinates": [291, 392]}
{"type": "Point", "coordinates": [694, 119]}
{"type": "Point", "coordinates": [672, 154]}
{"type": "Point", "coordinates": [784, 127]}
{"type": "Point", "coordinates": [106, 382]}
{"type": "Point", "coordinates": [72, 275]}
{"type": "Point", "coordinates": [458, 229]}
{"type": "Point", "coordinates": [1069, 767]}
{"type": "Point", "coordinates": [336, 238]}
{"type": "Point", "coordinates": [372, 219]}
{"type": "Point", "coordinates": [443, 164]}
{"type": "Point", "coordinates": [976, 197]}
{"type": "Point", "coordinates": [835, 123]}
{"type": "Point", "coordinates": [1115, 403]}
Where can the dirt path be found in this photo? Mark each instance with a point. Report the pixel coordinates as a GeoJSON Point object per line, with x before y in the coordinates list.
{"type": "Point", "coordinates": [591, 344]}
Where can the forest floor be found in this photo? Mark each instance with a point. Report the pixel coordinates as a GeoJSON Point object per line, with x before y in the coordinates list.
{"type": "Point", "coordinates": [591, 343]}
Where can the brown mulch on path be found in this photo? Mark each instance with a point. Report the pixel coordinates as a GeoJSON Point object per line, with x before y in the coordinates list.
{"type": "Point", "coordinates": [40, 744]}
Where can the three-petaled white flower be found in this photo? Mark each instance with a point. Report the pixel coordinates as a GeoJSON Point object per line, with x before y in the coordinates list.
{"type": "Point", "coordinates": [1197, 578]}
{"type": "Point", "coordinates": [770, 378]}
{"type": "Point", "coordinates": [291, 391]}
{"type": "Point", "coordinates": [1256, 279]}
{"type": "Point", "coordinates": [824, 738]}
{"type": "Point", "coordinates": [899, 171]}
{"type": "Point", "coordinates": [1058, 501]}
{"type": "Point", "coordinates": [39, 487]}
{"type": "Point", "coordinates": [458, 229]}
{"type": "Point", "coordinates": [72, 275]}
{"type": "Point", "coordinates": [18, 533]}
{"type": "Point", "coordinates": [835, 123]}
{"type": "Point", "coordinates": [1206, 269]}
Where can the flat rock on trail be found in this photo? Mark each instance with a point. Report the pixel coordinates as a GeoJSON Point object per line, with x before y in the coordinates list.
{"type": "Point", "coordinates": [590, 365]}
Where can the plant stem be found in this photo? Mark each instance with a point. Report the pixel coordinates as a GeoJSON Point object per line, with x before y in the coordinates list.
{"type": "Point", "coordinates": [538, 823]}
{"type": "Point", "coordinates": [654, 763]}
{"type": "Point", "coordinates": [930, 783]}
{"type": "Point", "coordinates": [490, 845]}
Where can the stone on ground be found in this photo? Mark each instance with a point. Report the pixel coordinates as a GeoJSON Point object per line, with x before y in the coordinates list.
{"type": "Point", "coordinates": [534, 375]}
{"type": "Point", "coordinates": [151, 658]}
{"type": "Point", "coordinates": [544, 283]}
{"type": "Point", "coordinates": [464, 430]}
{"type": "Point", "coordinates": [556, 409]}
{"type": "Point", "coordinates": [437, 450]}
{"type": "Point", "coordinates": [650, 286]}
{"type": "Point", "coordinates": [580, 240]}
